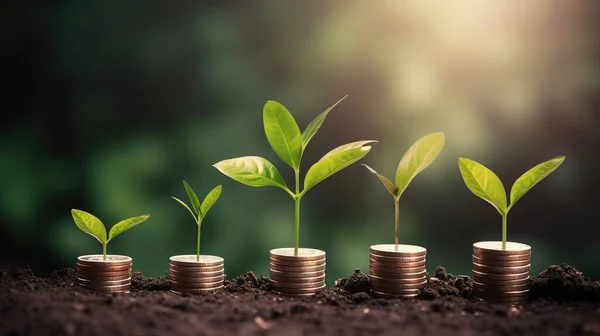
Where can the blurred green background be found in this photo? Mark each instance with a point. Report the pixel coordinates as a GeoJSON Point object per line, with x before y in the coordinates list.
{"type": "Point", "coordinates": [108, 105]}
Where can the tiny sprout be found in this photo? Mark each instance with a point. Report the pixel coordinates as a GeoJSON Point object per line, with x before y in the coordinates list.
{"type": "Point", "coordinates": [91, 225]}
{"type": "Point", "coordinates": [284, 136]}
{"type": "Point", "coordinates": [485, 184]}
{"type": "Point", "coordinates": [199, 210]}
{"type": "Point", "coordinates": [418, 157]}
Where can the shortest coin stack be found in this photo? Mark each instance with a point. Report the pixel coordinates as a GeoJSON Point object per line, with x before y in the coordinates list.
{"type": "Point", "coordinates": [112, 274]}
{"type": "Point", "coordinates": [397, 270]}
{"type": "Point", "coordinates": [300, 275]}
{"type": "Point", "coordinates": [501, 275]}
{"type": "Point", "coordinates": [190, 274]}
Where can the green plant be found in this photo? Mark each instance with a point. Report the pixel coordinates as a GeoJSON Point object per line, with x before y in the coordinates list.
{"type": "Point", "coordinates": [289, 144]}
{"type": "Point", "coordinates": [486, 185]}
{"type": "Point", "coordinates": [91, 225]}
{"type": "Point", "coordinates": [418, 157]}
{"type": "Point", "coordinates": [200, 210]}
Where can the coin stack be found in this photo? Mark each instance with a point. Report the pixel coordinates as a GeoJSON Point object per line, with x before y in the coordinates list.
{"type": "Point", "coordinates": [190, 274]}
{"type": "Point", "coordinates": [112, 274]}
{"type": "Point", "coordinates": [397, 270]}
{"type": "Point", "coordinates": [501, 275]}
{"type": "Point", "coordinates": [300, 275]}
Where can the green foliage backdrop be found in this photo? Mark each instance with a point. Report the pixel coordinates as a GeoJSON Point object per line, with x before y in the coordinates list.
{"type": "Point", "coordinates": [110, 104]}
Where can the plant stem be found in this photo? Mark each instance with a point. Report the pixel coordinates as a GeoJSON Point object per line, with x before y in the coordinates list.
{"type": "Point", "coordinates": [198, 242]}
{"type": "Point", "coordinates": [297, 211]}
{"type": "Point", "coordinates": [504, 231]}
{"type": "Point", "coordinates": [397, 224]}
{"type": "Point", "coordinates": [104, 251]}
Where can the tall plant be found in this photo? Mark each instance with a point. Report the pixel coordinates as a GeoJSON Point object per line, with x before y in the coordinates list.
{"type": "Point", "coordinates": [418, 157]}
{"type": "Point", "coordinates": [284, 136]}
{"type": "Point", "coordinates": [485, 184]}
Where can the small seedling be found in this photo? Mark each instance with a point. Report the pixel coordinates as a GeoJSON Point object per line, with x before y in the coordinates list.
{"type": "Point", "coordinates": [289, 144]}
{"type": "Point", "coordinates": [199, 210]}
{"type": "Point", "coordinates": [418, 157]}
{"type": "Point", "coordinates": [91, 225]}
{"type": "Point", "coordinates": [486, 185]}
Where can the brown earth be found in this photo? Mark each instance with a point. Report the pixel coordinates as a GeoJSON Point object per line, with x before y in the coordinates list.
{"type": "Point", "coordinates": [563, 302]}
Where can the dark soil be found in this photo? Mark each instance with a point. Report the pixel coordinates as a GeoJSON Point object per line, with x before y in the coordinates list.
{"type": "Point", "coordinates": [563, 303]}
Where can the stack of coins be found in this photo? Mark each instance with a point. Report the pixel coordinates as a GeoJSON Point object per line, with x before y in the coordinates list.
{"type": "Point", "coordinates": [501, 275]}
{"type": "Point", "coordinates": [190, 274]}
{"type": "Point", "coordinates": [397, 270]}
{"type": "Point", "coordinates": [300, 275]}
{"type": "Point", "coordinates": [112, 274]}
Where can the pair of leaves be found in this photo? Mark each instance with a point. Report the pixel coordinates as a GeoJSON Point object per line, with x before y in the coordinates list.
{"type": "Point", "coordinates": [91, 225]}
{"type": "Point", "coordinates": [283, 132]}
{"type": "Point", "coordinates": [289, 144]}
{"type": "Point", "coordinates": [418, 157]}
{"type": "Point", "coordinates": [199, 209]}
{"type": "Point", "coordinates": [255, 171]}
{"type": "Point", "coordinates": [485, 184]}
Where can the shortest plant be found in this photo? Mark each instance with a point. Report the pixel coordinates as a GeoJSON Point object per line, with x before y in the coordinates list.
{"type": "Point", "coordinates": [199, 210]}
{"type": "Point", "coordinates": [418, 157]}
{"type": "Point", "coordinates": [91, 225]}
{"type": "Point", "coordinates": [486, 185]}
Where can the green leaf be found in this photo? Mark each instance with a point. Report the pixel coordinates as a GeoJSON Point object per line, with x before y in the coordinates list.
{"type": "Point", "coordinates": [335, 161]}
{"type": "Point", "coordinates": [193, 198]}
{"type": "Point", "coordinates": [418, 157]}
{"type": "Point", "coordinates": [283, 133]}
{"type": "Point", "coordinates": [252, 170]}
{"type": "Point", "coordinates": [125, 225]}
{"type": "Point", "coordinates": [313, 127]}
{"type": "Point", "coordinates": [185, 206]}
{"type": "Point", "coordinates": [210, 200]}
{"type": "Point", "coordinates": [386, 182]}
{"type": "Point", "coordinates": [483, 183]}
{"type": "Point", "coordinates": [89, 224]}
{"type": "Point", "coordinates": [532, 177]}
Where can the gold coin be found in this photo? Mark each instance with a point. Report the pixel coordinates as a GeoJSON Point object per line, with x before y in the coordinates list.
{"type": "Point", "coordinates": [299, 291]}
{"type": "Point", "coordinates": [176, 273]}
{"type": "Point", "coordinates": [198, 280]}
{"type": "Point", "coordinates": [297, 285]}
{"type": "Point", "coordinates": [297, 269]}
{"type": "Point", "coordinates": [396, 260]}
{"type": "Point", "coordinates": [392, 250]}
{"type": "Point", "coordinates": [102, 279]}
{"type": "Point", "coordinates": [409, 293]}
{"type": "Point", "coordinates": [195, 285]}
{"type": "Point", "coordinates": [304, 254]}
{"type": "Point", "coordinates": [298, 263]}
{"type": "Point", "coordinates": [119, 288]}
{"type": "Point", "coordinates": [495, 276]}
{"type": "Point", "coordinates": [495, 247]}
{"type": "Point", "coordinates": [297, 280]}
{"type": "Point", "coordinates": [399, 280]}
{"type": "Point", "coordinates": [397, 265]}
{"type": "Point", "coordinates": [504, 300]}
{"type": "Point", "coordinates": [500, 288]}
{"type": "Point", "coordinates": [103, 268]}
{"type": "Point", "coordinates": [395, 288]}
{"type": "Point", "coordinates": [496, 262]}
{"type": "Point", "coordinates": [103, 283]}
{"type": "Point", "coordinates": [191, 260]}
{"type": "Point", "coordinates": [500, 269]}
{"type": "Point", "coordinates": [84, 273]}
{"type": "Point", "coordinates": [500, 257]}
{"type": "Point", "coordinates": [385, 274]}
{"type": "Point", "coordinates": [376, 270]}
{"type": "Point", "coordinates": [194, 290]}
{"type": "Point", "coordinates": [281, 274]}
{"type": "Point", "coordinates": [99, 259]}
{"type": "Point", "coordinates": [195, 269]}
{"type": "Point", "coordinates": [496, 282]}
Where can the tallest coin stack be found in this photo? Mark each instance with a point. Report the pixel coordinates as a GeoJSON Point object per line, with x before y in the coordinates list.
{"type": "Point", "coordinates": [501, 275]}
